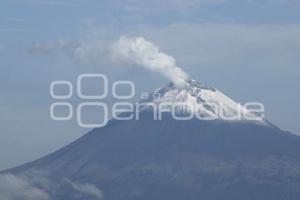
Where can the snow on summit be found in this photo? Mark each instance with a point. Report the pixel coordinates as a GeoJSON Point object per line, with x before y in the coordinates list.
{"type": "Point", "coordinates": [195, 98]}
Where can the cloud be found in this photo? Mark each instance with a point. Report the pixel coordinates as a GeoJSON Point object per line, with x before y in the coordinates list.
{"type": "Point", "coordinates": [13, 187]}
{"type": "Point", "coordinates": [144, 53]}
{"type": "Point", "coordinates": [55, 2]}
{"type": "Point", "coordinates": [148, 6]}
{"type": "Point", "coordinates": [285, 2]}
{"type": "Point", "coordinates": [219, 45]}
{"type": "Point", "coordinates": [52, 46]}
{"type": "Point", "coordinates": [174, 3]}
{"type": "Point", "coordinates": [200, 44]}
{"type": "Point", "coordinates": [94, 50]}
{"type": "Point", "coordinates": [86, 188]}
{"type": "Point", "coordinates": [194, 44]}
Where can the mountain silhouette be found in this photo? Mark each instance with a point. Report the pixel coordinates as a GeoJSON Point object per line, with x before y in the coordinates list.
{"type": "Point", "coordinates": [172, 159]}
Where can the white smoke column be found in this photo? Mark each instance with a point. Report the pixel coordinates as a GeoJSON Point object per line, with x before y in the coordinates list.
{"type": "Point", "coordinates": [139, 51]}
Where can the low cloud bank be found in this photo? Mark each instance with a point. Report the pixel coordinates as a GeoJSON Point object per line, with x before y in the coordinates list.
{"type": "Point", "coordinates": [18, 188]}
{"type": "Point", "coordinates": [87, 189]}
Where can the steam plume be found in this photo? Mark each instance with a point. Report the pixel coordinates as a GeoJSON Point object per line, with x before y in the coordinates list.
{"type": "Point", "coordinates": [139, 51]}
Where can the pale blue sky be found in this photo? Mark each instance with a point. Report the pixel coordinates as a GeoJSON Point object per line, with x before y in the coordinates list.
{"type": "Point", "coordinates": [248, 49]}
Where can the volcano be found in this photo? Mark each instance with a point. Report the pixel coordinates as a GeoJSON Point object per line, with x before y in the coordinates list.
{"type": "Point", "coordinates": [171, 159]}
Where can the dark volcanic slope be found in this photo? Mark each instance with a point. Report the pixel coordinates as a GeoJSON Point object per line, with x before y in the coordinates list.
{"type": "Point", "coordinates": [176, 160]}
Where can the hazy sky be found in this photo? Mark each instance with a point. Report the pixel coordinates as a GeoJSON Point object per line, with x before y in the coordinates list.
{"type": "Point", "coordinates": [248, 49]}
